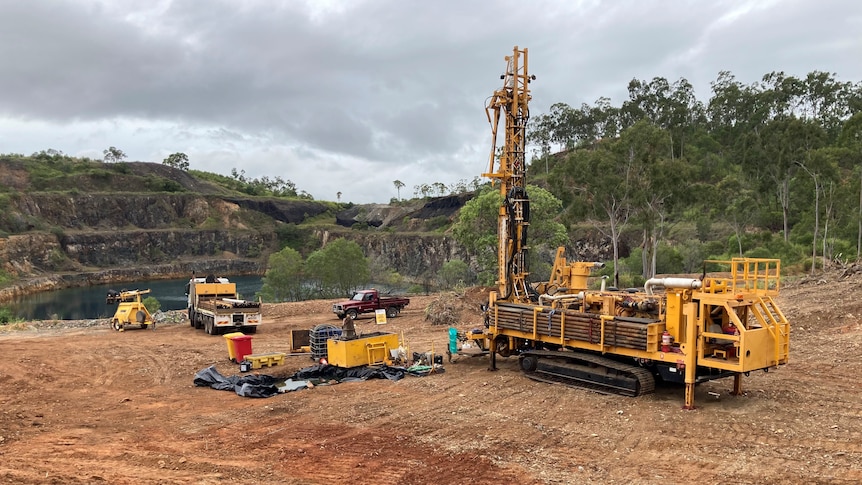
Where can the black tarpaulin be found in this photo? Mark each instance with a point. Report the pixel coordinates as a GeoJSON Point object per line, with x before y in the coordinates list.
{"type": "Point", "coordinates": [246, 386]}
{"type": "Point", "coordinates": [257, 385]}
{"type": "Point", "coordinates": [331, 372]}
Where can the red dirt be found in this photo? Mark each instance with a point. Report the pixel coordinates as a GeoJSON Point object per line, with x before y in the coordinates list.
{"type": "Point", "coordinates": [84, 404]}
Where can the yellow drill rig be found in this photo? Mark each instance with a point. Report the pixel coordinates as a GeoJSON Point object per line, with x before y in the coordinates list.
{"type": "Point", "coordinates": [685, 330]}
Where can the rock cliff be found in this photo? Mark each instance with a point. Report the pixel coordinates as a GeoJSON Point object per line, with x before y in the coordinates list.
{"type": "Point", "coordinates": [56, 240]}
{"type": "Point", "coordinates": [78, 228]}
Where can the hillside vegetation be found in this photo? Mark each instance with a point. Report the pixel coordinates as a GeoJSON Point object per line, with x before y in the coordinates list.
{"type": "Point", "coordinates": [770, 169]}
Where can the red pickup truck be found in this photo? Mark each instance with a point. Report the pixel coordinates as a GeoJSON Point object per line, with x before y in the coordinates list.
{"type": "Point", "coordinates": [368, 301]}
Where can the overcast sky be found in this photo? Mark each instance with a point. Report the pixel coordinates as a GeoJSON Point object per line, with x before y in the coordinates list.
{"type": "Point", "coordinates": [348, 96]}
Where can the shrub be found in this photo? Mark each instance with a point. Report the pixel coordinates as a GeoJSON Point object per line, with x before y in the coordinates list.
{"type": "Point", "coordinates": [5, 277]}
{"type": "Point", "coordinates": [152, 304]}
{"type": "Point", "coordinates": [6, 316]}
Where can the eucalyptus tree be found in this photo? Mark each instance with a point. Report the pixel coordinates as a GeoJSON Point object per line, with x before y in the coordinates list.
{"type": "Point", "coordinates": [818, 168]}
{"type": "Point", "coordinates": [787, 145]}
{"type": "Point", "coordinates": [825, 100]}
{"type": "Point", "coordinates": [597, 185]}
{"type": "Point", "coordinates": [476, 227]}
{"type": "Point", "coordinates": [284, 279]}
{"type": "Point", "coordinates": [741, 208]}
{"type": "Point", "coordinates": [177, 160]}
{"type": "Point", "coordinates": [672, 107]}
{"type": "Point", "coordinates": [398, 186]}
{"type": "Point", "coordinates": [659, 182]}
{"type": "Point", "coordinates": [113, 154]}
{"type": "Point", "coordinates": [337, 269]}
{"type": "Point", "coordinates": [851, 138]}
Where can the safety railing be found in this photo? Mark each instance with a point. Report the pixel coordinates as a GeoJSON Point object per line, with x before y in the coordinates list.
{"type": "Point", "coordinates": [759, 276]}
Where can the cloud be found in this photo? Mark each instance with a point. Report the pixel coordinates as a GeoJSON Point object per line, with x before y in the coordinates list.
{"type": "Point", "coordinates": [356, 94]}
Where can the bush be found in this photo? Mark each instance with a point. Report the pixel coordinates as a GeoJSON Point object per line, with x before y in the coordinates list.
{"type": "Point", "coordinates": [6, 316]}
{"type": "Point", "coordinates": [455, 273]}
{"type": "Point", "coordinates": [152, 304]}
{"type": "Point", "coordinates": [437, 223]}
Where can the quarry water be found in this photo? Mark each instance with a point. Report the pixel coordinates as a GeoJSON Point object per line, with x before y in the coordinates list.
{"type": "Point", "coordinates": [89, 302]}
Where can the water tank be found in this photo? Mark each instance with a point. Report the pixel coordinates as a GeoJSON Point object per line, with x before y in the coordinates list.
{"type": "Point", "coordinates": [317, 339]}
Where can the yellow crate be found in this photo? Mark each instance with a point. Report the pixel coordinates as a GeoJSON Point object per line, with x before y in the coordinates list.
{"type": "Point", "coordinates": [269, 360]}
{"type": "Point", "coordinates": [366, 350]}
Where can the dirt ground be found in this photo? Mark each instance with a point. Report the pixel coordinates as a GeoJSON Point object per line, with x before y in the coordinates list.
{"type": "Point", "coordinates": [84, 404]}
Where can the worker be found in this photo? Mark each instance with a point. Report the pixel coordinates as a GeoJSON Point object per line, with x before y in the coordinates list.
{"type": "Point", "coordinates": [348, 329]}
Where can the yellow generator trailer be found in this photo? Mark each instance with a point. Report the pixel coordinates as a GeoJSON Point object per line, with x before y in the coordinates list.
{"type": "Point", "coordinates": [131, 310]}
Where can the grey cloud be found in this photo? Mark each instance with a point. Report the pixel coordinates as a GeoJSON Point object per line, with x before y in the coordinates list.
{"type": "Point", "coordinates": [396, 85]}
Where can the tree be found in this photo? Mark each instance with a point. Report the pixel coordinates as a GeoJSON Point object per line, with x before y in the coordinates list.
{"type": "Point", "coordinates": [787, 144]}
{"type": "Point", "coordinates": [742, 205]}
{"type": "Point", "coordinates": [599, 185]}
{"type": "Point", "coordinates": [851, 138]}
{"type": "Point", "coordinates": [177, 160]}
{"type": "Point", "coordinates": [657, 180]}
{"type": "Point", "coordinates": [453, 273]}
{"type": "Point", "coordinates": [476, 228]}
{"type": "Point", "coordinates": [152, 304]}
{"type": "Point", "coordinates": [338, 269]}
{"type": "Point", "coordinates": [398, 186]}
{"type": "Point", "coordinates": [476, 231]}
{"type": "Point", "coordinates": [423, 190]}
{"type": "Point", "coordinates": [284, 279]}
{"type": "Point", "coordinates": [113, 154]}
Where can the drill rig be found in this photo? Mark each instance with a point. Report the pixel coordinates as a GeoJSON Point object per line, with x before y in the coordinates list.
{"type": "Point", "coordinates": [685, 330]}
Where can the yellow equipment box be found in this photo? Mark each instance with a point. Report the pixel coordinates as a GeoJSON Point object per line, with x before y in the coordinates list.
{"type": "Point", "coordinates": [368, 349]}
{"type": "Point", "coordinates": [269, 360]}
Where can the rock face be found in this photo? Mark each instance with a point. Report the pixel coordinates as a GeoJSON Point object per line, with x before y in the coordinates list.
{"type": "Point", "coordinates": [385, 215]}
{"type": "Point", "coordinates": [101, 238]}
{"type": "Point", "coordinates": [142, 211]}
{"type": "Point", "coordinates": [131, 248]}
{"type": "Point", "coordinates": [52, 240]}
{"type": "Point", "coordinates": [414, 256]}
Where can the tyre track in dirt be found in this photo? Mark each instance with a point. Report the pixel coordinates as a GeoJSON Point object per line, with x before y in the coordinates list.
{"type": "Point", "coordinates": [95, 405]}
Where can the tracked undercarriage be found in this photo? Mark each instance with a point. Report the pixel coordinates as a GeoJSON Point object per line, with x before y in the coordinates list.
{"type": "Point", "coordinates": [586, 371]}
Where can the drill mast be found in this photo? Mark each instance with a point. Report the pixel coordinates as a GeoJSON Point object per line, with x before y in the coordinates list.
{"type": "Point", "coordinates": [510, 103]}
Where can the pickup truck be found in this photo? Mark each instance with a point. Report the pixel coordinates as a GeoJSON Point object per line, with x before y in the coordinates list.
{"type": "Point", "coordinates": [368, 301]}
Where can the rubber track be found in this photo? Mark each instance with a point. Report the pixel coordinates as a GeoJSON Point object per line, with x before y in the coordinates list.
{"type": "Point", "coordinates": [644, 377]}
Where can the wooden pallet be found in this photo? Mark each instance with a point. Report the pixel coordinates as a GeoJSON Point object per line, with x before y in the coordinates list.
{"type": "Point", "coordinates": [268, 360]}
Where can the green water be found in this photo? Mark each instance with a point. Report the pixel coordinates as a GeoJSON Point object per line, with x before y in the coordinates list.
{"type": "Point", "coordinates": [89, 302]}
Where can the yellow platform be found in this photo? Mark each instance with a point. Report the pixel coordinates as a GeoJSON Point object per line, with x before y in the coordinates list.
{"type": "Point", "coordinates": [367, 349]}
{"type": "Point", "coordinates": [269, 360]}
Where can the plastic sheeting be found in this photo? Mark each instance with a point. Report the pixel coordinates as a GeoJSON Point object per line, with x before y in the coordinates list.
{"type": "Point", "coordinates": [260, 385]}
{"type": "Point", "coordinates": [333, 373]}
{"type": "Point", "coordinates": [246, 386]}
